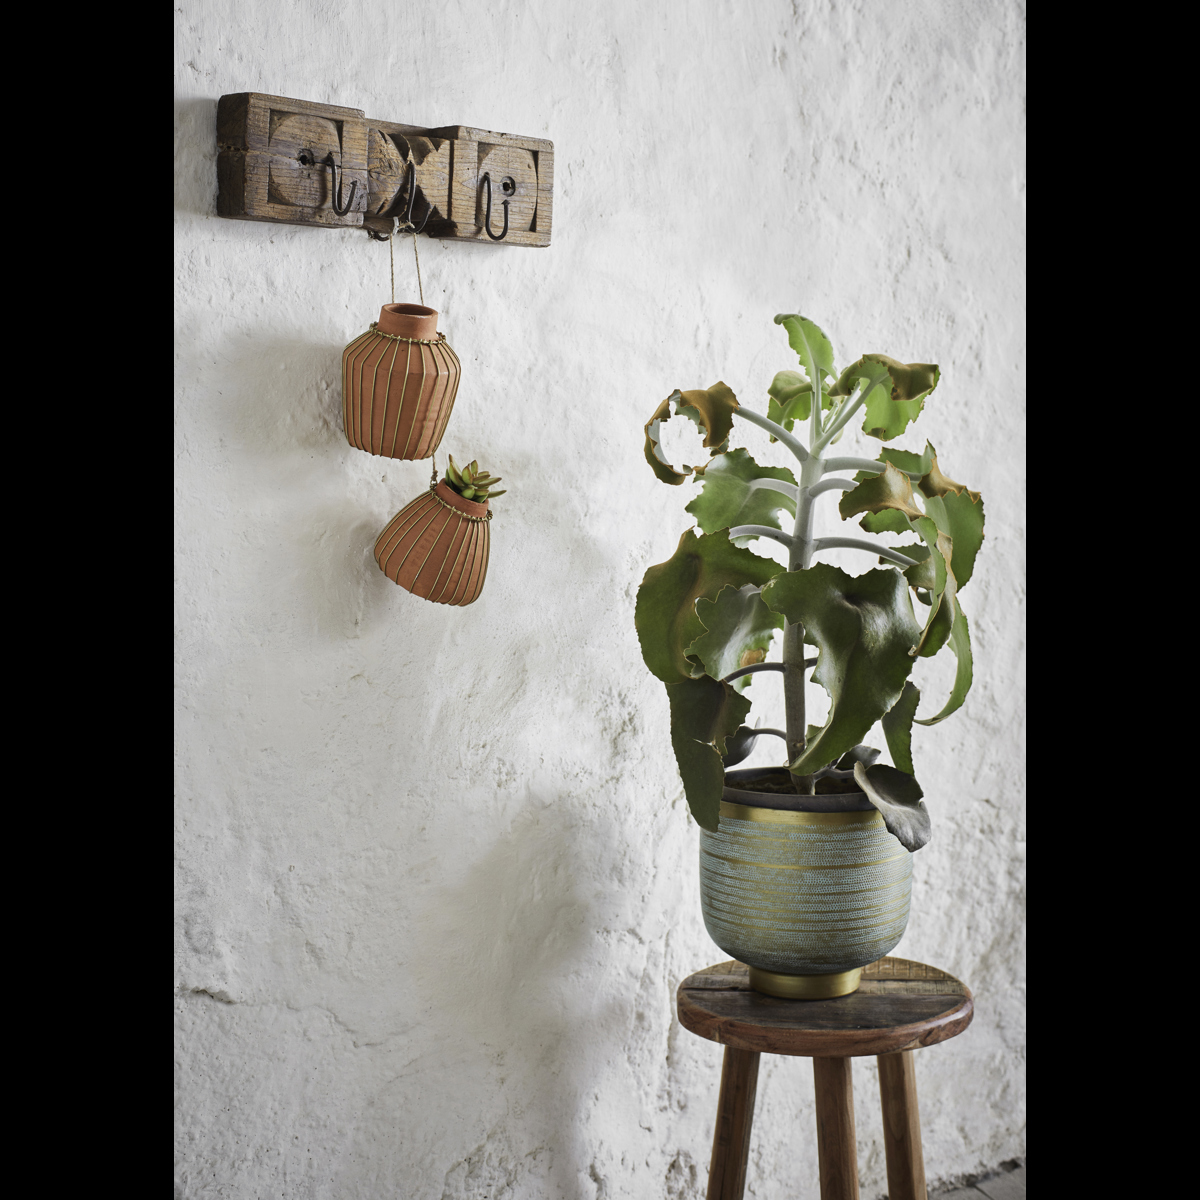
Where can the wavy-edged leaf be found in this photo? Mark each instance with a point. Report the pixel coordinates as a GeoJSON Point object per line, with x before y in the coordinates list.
{"type": "Point", "coordinates": [665, 613]}
{"type": "Point", "coordinates": [936, 484]}
{"type": "Point", "coordinates": [739, 745]}
{"type": "Point", "coordinates": [895, 392]}
{"type": "Point", "coordinates": [738, 631]}
{"type": "Point", "coordinates": [910, 463]}
{"type": "Point", "coordinates": [864, 628]}
{"type": "Point", "coordinates": [810, 343]}
{"type": "Point", "coordinates": [856, 754]}
{"type": "Point", "coordinates": [704, 713]}
{"type": "Point", "coordinates": [897, 727]}
{"type": "Point", "coordinates": [960, 642]}
{"type": "Point", "coordinates": [960, 516]}
{"type": "Point", "coordinates": [906, 460]}
{"type": "Point", "coordinates": [715, 406]}
{"type": "Point", "coordinates": [898, 798]}
{"type": "Point", "coordinates": [924, 574]}
{"type": "Point", "coordinates": [889, 520]}
{"type": "Point", "coordinates": [890, 489]}
{"type": "Point", "coordinates": [735, 493]}
{"type": "Point", "coordinates": [653, 449]}
{"type": "Point", "coordinates": [711, 408]}
{"type": "Point", "coordinates": [791, 399]}
{"type": "Point", "coordinates": [944, 589]}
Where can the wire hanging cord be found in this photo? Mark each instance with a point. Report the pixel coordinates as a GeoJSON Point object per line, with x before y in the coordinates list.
{"type": "Point", "coordinates": [406, 225]}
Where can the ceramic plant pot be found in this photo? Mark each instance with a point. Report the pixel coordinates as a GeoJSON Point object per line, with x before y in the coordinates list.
{"type": "Point", "coordinates": [437, 546]}
{"type": "Point", "coordinates": [399, 380]}
{"type": "Point", "coordinates": [806, 895]}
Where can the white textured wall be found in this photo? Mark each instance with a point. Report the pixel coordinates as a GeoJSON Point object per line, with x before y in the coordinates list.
{"type": "Point", "coordinates": [437, 881]}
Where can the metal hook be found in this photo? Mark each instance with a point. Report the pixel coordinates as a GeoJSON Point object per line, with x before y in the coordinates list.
{"type": "Point", "coordinates": [410, 181]}
{"type": "Point", "coordinates": [336, 188]}
{"type": "Point", "coordinates": [487, 216]}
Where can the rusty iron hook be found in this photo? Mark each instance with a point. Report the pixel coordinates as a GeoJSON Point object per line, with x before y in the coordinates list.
{"type": "Point", "coordinates": [487, 216]}
{"type": "Point", "coordinates": [335, 191]}
{"type": "Point", "coordinates": [410, 182]}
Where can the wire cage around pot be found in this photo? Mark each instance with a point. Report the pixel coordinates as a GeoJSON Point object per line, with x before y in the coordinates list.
{"type": "Point", "coordinates": [437, 546]}
{"type": "Point", "coordinates": [399, 381]}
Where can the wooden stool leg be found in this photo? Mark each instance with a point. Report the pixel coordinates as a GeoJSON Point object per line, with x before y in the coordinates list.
{"type": "Point", "coordinates": [735, 1113]}
{"type": "Point", "coordinates": [901, 1127]}
{"type": "Point", "coordinates": [837, 1150]}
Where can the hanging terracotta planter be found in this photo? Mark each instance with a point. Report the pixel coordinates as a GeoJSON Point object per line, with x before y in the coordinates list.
{"type": "Point", "coordinates": [399, 380]}
{"type": "Point", "coordinates": [437, 546]}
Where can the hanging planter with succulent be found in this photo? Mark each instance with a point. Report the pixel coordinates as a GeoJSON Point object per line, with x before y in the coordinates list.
{"type": "Point", "coordinates": [437, 546]}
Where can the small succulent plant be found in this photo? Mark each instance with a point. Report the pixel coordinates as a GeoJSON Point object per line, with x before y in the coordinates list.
{"type": "Point", "coordinates": [471, 483]}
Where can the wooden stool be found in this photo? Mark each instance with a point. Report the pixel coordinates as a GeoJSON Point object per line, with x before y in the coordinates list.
{"type": "Point", "coordinates": [899, 1007]}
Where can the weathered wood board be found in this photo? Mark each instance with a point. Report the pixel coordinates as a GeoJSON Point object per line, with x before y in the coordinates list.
{"type": "Point", "coordinates": [900, 1005]}
{"type": "Point", "coordinates": [272, 165]}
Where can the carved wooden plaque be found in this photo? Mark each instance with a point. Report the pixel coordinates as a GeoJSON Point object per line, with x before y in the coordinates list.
{"type": "Point", "coordinates": [317, 164]}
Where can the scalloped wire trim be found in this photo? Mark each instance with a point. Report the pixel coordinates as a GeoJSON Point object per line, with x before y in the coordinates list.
{"type": "Point", "coordinates": [466, 516]}
{"type": "Point", "coordinates": [395, 337]}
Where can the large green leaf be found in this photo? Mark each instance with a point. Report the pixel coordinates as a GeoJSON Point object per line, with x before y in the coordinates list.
{"type": "Point", "coordinates": [738, 631]}
{"type": "Point", "coordinates": [897, 727]}
{"type": "Point", "coordinates": [734, 494]}
{"type": "Point", "coordinates": [864, 628]}
{"type": "Point", "coordinates": [704, 713]}
{"type": "Point", "coordinates": [890, 489]}
{"type": "Point", "coordinates": [897, 795]}
{"type": "Point", "coordinates": [712, 409]}
{"type": "Point", "coordinates": [813, 348]}
{"type": "Point", "coordinates": [960, 643]}
{"type": "Point", "coordinates": [943, 592]}
{"type": "Point", "coordinates": [665, 613]}
{"type": "Point", "coordinates": [895, 392]}
{"type": "Point", "coordinates": [960, 516]}
{"type": "Point", "coordinates": [888, 520]}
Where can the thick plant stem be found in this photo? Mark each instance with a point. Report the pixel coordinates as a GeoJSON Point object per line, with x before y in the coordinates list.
{"type": "Point", "coordinates": [793, 635]}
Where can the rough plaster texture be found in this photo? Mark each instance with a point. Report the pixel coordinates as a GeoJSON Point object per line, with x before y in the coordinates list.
{"type": "Point", "coordinates": [437, 882]}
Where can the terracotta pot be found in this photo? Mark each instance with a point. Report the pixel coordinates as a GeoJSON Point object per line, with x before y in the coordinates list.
{"type": "Point", "coordinates": [399, 380]}
{"type": "Point", "coordinates": [437, 546]}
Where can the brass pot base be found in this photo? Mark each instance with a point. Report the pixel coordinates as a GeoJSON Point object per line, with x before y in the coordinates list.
{"type": "Point", "coordinates": [805, 987]}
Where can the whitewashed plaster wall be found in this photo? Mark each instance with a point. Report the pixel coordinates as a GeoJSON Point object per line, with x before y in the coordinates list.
{"type": "Point", "coordinates": [437, 882]}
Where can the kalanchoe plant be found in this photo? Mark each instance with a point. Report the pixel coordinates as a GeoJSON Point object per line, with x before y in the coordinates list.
{"type": "Point", "coordinates": [706, 618]}
{"type": "Point", "coordinates": [471, 483]}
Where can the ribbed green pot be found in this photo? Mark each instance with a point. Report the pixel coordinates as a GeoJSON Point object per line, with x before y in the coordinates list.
{"type": "Point", "coordinates": [805, 899]}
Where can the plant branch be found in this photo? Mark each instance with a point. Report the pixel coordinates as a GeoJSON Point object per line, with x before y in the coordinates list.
{"type": "Point", "coordinates": [794, 444]}
{"type": "Point", "coordinates": [779, 485]}
{"type": "Point", "coordinates": [841, 543]}
{"type": "Point", "coordinates": [839, 417]}
{"type": "Point", "coordinates": [776, 732]}
{"type": "Point", "coordinates": [832, 428]}
{"type": "Point", "coordinates": [751, 670]}
{"type": "Point", "coordinates": [862, 464]}
{"type": "Point", "coordinates": [767, 531]}
{"type": "Point", "coordinates": [827, 485]}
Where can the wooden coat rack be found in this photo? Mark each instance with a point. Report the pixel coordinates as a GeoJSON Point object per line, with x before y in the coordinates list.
{"type": "Point", "coordinates": [318, 164]}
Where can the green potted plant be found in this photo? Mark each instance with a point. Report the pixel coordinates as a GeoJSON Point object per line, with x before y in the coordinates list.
{"type": "Point", "coordinates": [806, 868]}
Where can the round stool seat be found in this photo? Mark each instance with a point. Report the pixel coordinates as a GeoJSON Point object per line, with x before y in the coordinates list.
{"type": "Point", "coordinates": [900, 1005]}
